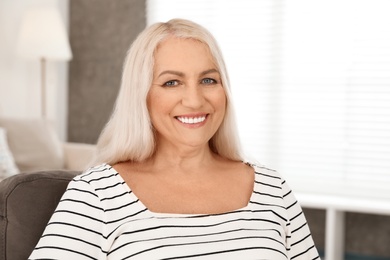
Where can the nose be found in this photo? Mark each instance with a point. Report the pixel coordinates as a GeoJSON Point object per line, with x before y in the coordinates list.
{"type": "Point", "coordinates": [193, 96]}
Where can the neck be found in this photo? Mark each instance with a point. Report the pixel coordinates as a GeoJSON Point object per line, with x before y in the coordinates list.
{"type": "Point", "coordinates": [183, 159]}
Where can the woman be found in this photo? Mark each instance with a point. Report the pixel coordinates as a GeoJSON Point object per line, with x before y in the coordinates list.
{"type": "Point", "coordinates": [170, 181]}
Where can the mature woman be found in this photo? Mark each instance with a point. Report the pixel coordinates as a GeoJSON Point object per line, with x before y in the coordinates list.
{"type": "Point", "coordinates": [170, 181]}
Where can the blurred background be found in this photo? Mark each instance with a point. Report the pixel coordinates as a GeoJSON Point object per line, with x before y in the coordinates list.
{"type": "Point", "coordinates": [310, 82]}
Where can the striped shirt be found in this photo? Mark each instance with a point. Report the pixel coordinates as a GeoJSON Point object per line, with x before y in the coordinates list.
{"type": "Point", "coordinates": [99, 217]}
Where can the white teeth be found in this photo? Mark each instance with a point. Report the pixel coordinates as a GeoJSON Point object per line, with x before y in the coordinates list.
{"type": "Point", "coordinates": [191, 120]}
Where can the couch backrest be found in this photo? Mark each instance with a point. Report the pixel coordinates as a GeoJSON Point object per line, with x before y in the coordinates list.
{"type": "Point", "coordinates": [27, 201]}
{"type": "Point", "coordinates": [34, 144]}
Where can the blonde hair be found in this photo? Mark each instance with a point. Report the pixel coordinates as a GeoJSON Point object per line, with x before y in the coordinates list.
{"type": "Point", "coordinates": [128, 135]}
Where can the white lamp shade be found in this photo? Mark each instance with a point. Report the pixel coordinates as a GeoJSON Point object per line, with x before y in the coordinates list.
{"type": "Point", "coordinates": [43, 35]}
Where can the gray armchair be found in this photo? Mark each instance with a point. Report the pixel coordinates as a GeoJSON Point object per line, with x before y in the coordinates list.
{"type": "Point", "coordinates": [27, 201]}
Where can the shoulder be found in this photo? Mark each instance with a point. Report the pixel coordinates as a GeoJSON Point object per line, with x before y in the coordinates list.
{"type": "Point", "coordinates": [267, 177]}
{"type": "Point", "coordinates": [96, 185]}
{"type": "Point", "coordinates": [265, 173]}
{"type": "Point", "coordinates": [96, 173]}
{"type": "Point", "coordinates": [95, 178]}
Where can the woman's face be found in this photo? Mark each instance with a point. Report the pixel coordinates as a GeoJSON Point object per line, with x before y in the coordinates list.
{"type": "Point", "coordinates": [186, 101]}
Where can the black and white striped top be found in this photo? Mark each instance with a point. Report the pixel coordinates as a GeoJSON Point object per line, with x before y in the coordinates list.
{"type": "Point", "coordinates": [99, 217]}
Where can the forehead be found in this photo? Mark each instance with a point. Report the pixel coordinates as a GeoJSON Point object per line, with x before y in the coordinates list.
{"type": "Point", "coordinates": [172, 42]}
{"type": "Point", "coordinates": [181, 52]}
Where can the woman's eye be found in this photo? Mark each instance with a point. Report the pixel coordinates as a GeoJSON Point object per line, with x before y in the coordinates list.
{"type": "Point", "coordinates": [171, 83]}
{"type": "Point", "coordinates": [208, 81]}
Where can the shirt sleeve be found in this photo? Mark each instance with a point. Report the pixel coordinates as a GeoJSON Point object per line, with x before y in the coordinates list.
{"type": "Point", "coordinates": [76, 228]}
{"type": "Point", "coordinates": [300, 244]}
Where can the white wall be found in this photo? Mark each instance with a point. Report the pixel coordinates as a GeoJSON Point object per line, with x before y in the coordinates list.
{"type": "Point", "coordinates": [20, 79]}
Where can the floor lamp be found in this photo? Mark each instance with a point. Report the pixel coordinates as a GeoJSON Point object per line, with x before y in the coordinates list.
{"type": "Point", "coordinates": [43, 37]}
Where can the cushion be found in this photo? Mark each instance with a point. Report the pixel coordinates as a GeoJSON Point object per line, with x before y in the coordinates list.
{"type": "Point", "coordinates": [34, 144]}
{"type": "Point", "coordinates": [7, 163]}
{"type": "Point", "coordinates": [27, 201]}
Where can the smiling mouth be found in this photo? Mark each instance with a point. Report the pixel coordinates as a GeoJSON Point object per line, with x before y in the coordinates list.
{"type": "Point", "coordinates": [191, 120]}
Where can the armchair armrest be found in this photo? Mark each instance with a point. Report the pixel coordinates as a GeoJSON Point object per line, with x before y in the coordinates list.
{"type": "Point", "coordinates": [77, 156]}
{"type": "Point", "coordinates": [27, 201]}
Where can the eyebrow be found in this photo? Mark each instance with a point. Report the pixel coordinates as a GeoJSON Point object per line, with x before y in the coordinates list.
{"type": "Point", "coordinates": [208, 72]}
{"type": "Point", "coordinates": [181, 74]}
{"type": "Point", "coordinates": [178, 73]}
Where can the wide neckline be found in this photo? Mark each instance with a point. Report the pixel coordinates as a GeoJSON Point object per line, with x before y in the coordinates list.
{"type": "Point", "coordinates": [184, 215]}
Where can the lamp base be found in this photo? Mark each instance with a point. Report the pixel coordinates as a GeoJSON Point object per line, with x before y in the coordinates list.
{"type": "Point", "coordinates": [43, 87]}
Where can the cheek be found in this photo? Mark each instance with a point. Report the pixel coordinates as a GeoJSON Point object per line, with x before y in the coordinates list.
{"type": "Point", "coordinates": [152, 104]}
{"type": "Point", "coordinates": [158, 104]}
{"type": "Point", "coordinates": [220, 100]}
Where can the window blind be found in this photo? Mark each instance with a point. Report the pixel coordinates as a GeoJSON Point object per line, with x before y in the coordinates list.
{"type": "Point", "coordinates": [311, 86]}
